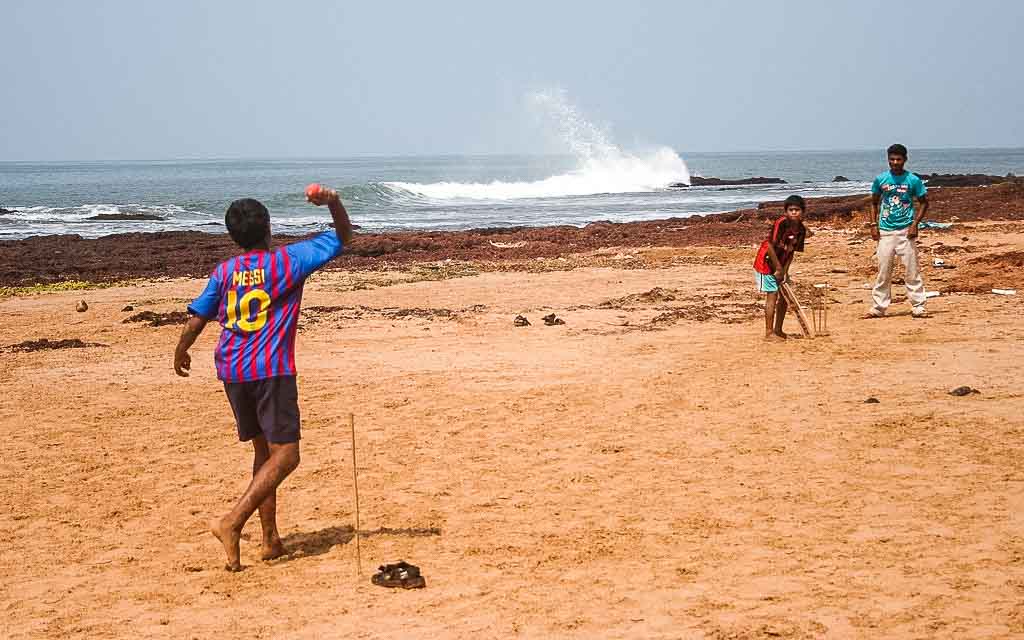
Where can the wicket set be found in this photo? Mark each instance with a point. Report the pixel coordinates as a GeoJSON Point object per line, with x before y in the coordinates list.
{"type": "Point", "coordinates": [819, 308]}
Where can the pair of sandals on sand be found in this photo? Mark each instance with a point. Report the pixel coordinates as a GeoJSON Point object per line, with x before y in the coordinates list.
{"type": "Point", "coordinates": [400, 575]}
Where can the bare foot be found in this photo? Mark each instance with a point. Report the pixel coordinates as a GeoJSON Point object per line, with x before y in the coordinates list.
{"type": "Point", "coordinates": [229, 538]}
{"type": "Point", "coordinates": [782, 334]}
{"type": "Point", "coordinates": [273, 550]}
{"type": "Point", "coordinates": [771, 337]}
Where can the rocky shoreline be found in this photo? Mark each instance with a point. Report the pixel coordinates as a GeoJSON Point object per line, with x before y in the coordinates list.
{"type": "Point", "coordinates": [965, 179]}
{"type": "Point", "coordinates": [699, 181]}
{"type": "Point", "coordinates": [50, 259]}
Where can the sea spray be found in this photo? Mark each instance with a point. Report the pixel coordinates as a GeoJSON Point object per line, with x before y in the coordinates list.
{"type": "Point", "coordinates": [602, 167]}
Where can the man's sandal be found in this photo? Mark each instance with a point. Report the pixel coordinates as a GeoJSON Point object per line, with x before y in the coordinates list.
{"type": "Point", "coordinates": [399, 575]}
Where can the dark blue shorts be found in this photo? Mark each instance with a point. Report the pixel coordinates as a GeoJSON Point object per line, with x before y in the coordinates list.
{"type": "Point", "coordinates": [268, 408]}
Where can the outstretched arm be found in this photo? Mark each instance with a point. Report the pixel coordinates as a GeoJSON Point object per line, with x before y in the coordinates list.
{"type": "Point", "coordinates": [191, 331]}
{"type": "Point", "coordinates": [342, 225]}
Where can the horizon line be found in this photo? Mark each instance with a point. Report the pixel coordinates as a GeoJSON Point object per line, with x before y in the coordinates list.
{"type": "Point", "coordinates": [450, 154]}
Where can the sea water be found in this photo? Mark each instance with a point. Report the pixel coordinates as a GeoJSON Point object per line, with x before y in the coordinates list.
{"type": "Point", "coordinates": [594, 179]}
{"type": "Point", "coordinates": [440, 192]}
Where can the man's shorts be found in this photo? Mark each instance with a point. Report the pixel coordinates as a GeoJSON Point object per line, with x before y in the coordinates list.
{"type": "Point", "coordinates": [268, 408]}
{"type": "Point", "coordinates": [766, 282]}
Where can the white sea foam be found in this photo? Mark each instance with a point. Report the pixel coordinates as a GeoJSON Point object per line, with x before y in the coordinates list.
{"type": "Point", "coordinates": [22, 222]}
{"type": "Point", "coordinates": [602, 167]}
{"type": "Point", "coordinates": [82, 213]}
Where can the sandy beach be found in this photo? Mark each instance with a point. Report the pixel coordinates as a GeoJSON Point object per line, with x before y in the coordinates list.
{"type": "Point", "coordinates": [635, 472]}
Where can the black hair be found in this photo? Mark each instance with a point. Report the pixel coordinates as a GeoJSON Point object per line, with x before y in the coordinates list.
{"type": "Point", "coordinates": [794, 200]}
{"type": "Point", "coordinates": [896, 150]}
{"type": "Point", "coordinates": [248, 222]}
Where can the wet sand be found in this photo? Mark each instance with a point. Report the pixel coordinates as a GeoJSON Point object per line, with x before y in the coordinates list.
{"type": "Point", "coordinates": [640, 471]}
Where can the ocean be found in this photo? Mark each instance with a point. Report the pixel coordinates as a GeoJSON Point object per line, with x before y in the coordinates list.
{"type": "Point", "coordinates": [595, 181]}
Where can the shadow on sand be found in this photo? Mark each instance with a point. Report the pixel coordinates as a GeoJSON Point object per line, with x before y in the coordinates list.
{"type": "Point", "coordinates": [322, 541]}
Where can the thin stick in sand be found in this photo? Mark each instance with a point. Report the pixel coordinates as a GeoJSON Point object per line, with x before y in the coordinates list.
{"type": "Point", "coordinates": [825, 299]}
{"type": "Point", "coordinates": [820, 308]}
{"type": "Point", "coordinates": [819, 323]}
{"type": "Point", "coordinates": [355, 484]}
{"type": "Point", "coordinates": [814, 311]}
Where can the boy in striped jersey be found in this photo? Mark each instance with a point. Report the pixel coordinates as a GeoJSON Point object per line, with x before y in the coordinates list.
{"type": "Point", "coordinates": [255, 297]}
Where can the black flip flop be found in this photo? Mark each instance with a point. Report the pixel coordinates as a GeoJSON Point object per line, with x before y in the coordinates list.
{"type": "Point", "coordinates": [399, 575]}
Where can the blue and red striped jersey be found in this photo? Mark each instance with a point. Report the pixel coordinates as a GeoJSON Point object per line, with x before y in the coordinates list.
{"type": "Point", "coordinates": [256, 297]}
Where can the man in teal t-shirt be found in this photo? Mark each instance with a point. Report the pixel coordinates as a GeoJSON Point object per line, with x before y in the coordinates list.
{"type": "Point", "coordinates": [894, 227]}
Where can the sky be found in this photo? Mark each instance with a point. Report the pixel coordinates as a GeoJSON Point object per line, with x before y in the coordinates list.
{"type": "Point", "coordinates": [110, 80]}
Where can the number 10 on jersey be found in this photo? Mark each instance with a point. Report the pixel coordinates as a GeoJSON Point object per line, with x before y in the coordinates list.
{"type": "Point", "coordinates": [240, 312]}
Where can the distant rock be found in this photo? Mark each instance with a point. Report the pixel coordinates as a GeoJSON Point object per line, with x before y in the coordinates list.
{"type": "Point", "coordinates": [840, 179]}
{"type": "Point", "coordinates": [965, 179]}
{"type": "Point", "coordinates": [106, 217]}
{"type": "Point", "coordinates": [698, 181]}
{"type": "Point", "coordinates": [963, 391]}
{"type": "Point", "coordinates": [5, 211]}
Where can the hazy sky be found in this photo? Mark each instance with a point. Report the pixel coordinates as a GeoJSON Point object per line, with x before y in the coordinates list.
{"type": "Point", "coordinates": [183, 79]}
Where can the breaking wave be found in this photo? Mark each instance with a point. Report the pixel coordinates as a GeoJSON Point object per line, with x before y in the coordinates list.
{"type": "Point", "coordinates": [602, 167]}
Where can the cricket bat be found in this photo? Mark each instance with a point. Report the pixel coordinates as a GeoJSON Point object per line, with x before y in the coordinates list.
{"type": "Point", "coordinates": [794, 304]}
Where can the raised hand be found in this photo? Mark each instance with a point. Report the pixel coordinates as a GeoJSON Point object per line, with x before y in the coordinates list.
{"type": "Point", "coordinates": [320, 195]}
